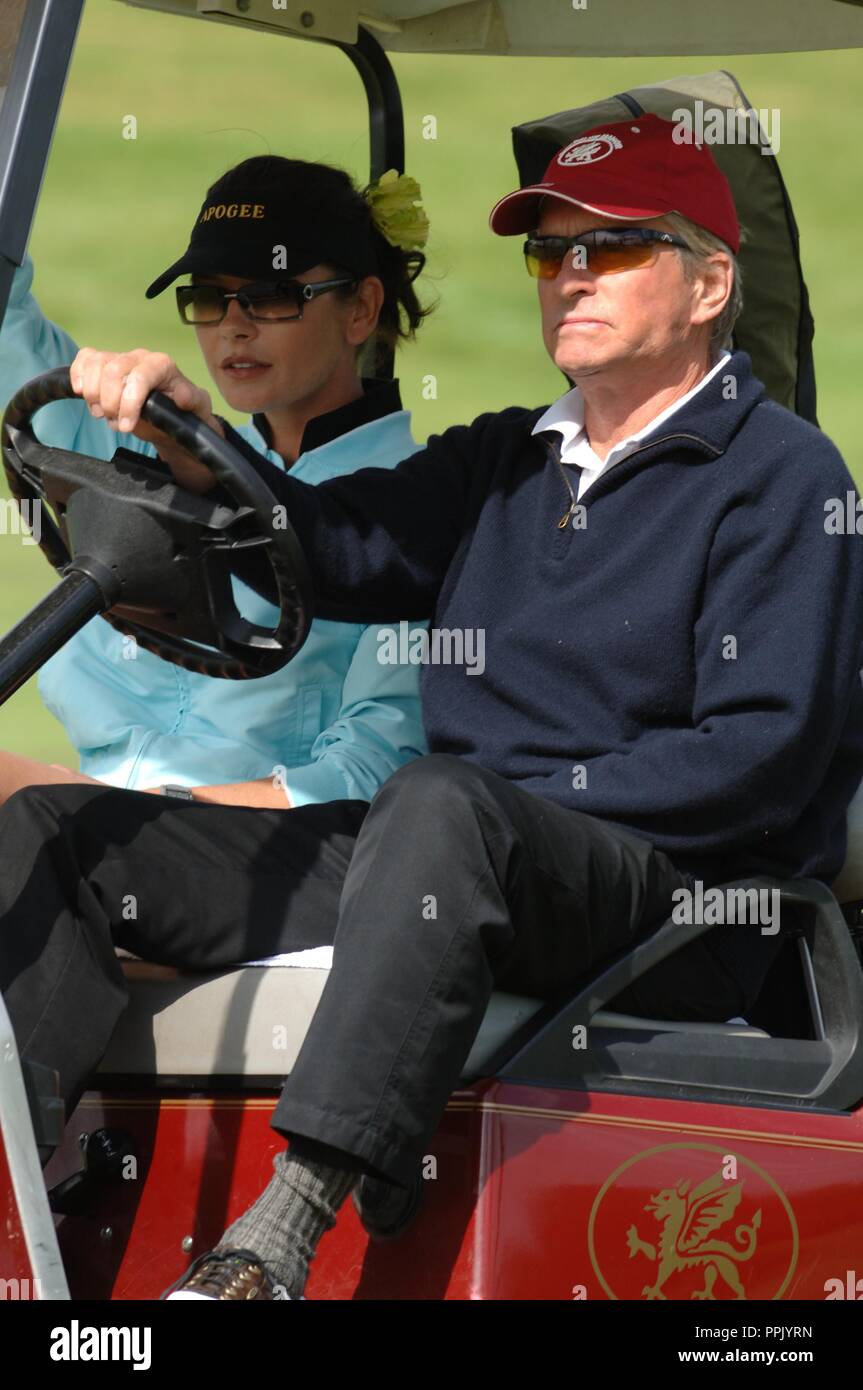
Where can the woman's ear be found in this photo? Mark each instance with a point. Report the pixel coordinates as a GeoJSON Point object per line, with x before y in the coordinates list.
{"type": "Point", "coordinates": [364, 310]}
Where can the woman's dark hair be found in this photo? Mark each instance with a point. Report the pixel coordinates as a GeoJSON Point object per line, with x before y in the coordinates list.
{"type": "Point", "coordinates": [330, 194]}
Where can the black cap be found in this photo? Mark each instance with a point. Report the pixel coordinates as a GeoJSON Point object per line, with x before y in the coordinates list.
{"type": "Point", "coordinates": [261, 236]}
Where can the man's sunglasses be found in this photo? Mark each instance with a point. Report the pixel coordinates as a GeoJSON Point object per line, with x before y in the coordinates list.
{"type": "Point", "coordinates": [605, 250]}
{"type": "Point", "coordinates": [278, 301]}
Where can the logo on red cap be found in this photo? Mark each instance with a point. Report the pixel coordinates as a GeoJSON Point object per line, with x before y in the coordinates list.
{"type": "Point", "coordinates": [589, 148]}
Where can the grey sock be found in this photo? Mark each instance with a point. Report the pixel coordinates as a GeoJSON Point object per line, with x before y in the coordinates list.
{"type": "Point", "coordinates": [292, 1213]}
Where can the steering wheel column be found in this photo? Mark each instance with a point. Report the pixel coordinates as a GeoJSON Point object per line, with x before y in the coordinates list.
{"type": "Point", "coordinates": [153, 559]}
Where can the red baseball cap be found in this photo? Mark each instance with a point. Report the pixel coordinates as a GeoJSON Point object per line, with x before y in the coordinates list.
{"type": "Point", "coordinates": [632, 169]}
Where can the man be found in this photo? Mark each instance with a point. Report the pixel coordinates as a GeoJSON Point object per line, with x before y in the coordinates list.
{"type": "Point", "coordinates": [670, 693]}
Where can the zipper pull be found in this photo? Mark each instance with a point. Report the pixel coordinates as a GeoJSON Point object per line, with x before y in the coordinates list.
{"type": "Point", "coordinates": [552, 448]}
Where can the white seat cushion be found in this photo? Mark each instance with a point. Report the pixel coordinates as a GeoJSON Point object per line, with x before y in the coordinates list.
{"type": "Point", "coordinates": [248, 1021]}
{"type": "Point", "coordinates": [251, 1021]}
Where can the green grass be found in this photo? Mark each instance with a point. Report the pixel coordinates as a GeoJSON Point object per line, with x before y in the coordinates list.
{"type": "Point", "coordinates": [114, 212]}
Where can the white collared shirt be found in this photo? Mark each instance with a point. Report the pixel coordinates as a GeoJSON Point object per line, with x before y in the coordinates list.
{"type": "Point", "coordinates": [567, 416]}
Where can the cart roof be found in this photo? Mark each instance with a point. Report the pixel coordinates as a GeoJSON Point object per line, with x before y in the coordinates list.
{"type": "Point", "coordinates": [551, 28]}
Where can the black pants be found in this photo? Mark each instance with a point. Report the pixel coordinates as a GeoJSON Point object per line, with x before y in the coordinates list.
{"type": "Point", "coordinates": [451, 884]}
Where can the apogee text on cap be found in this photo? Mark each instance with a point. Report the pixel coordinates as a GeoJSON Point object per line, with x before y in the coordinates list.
{"type": "Point", "coordinates": [218, 210]}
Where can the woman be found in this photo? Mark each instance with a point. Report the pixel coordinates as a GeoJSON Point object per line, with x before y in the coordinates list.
{"type": "Point", "coordinates": [334, 723]}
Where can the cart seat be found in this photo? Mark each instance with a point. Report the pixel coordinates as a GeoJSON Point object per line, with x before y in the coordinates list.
{"type": "Point", "coordinates": [249, 1022]}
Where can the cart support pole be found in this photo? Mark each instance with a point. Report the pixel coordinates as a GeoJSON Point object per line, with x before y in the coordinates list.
{"type": "Point", "coordinates": [386, 125]}
{"type": "Point", "coordinates": [28, 112]}
{"type": "Point", "coordinates": [25, 1171]}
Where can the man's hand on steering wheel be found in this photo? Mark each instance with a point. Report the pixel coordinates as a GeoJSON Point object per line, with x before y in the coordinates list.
{"type": "Point", "coordinates": [115, 386]}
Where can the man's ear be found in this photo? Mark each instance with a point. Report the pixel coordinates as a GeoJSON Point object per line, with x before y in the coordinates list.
{"type": "Point", "coordinates": [712, 287]}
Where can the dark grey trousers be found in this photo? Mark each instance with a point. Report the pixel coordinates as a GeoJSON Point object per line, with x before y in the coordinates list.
{"type": "Point", "coordinates": [451, 884]}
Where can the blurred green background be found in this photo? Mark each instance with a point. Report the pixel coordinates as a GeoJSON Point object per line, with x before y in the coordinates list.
{"type": "Point", "coordinates": [114, 212]}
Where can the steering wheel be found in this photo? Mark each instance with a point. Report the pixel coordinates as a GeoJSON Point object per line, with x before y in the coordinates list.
{"type": "Point", "coordinates": [163, 556]}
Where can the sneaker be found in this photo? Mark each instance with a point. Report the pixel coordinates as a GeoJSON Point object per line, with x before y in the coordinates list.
{"type": "Point", "coordinates": [227, 1274]}
{"type": "Point", "coordinates": [384, 1209]}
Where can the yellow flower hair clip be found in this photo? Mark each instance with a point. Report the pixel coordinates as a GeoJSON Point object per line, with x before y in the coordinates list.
{"type": "Point", "coordinates": [396, 210]}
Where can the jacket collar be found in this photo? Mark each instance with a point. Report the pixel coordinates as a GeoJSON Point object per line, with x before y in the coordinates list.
{"type": "Point", "coordinates": [709, 421]}
{"type": "Point", "coordinates": [716, 414]}
{"type": "Point", "coordinates": [380, 397]}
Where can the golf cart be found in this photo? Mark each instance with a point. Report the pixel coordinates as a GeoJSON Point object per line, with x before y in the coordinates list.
{"type": "Point", "coordinates": [581, 1138]}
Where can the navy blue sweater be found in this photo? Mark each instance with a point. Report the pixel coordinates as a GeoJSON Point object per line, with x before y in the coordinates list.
{"type": "Point", "coordinates": [685, 664]}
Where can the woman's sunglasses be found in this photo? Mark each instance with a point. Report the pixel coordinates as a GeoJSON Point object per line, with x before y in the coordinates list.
{"type": "Point", "coordinates": [279, 301]}
{"type": "Point", "coordinates": [605, 250]}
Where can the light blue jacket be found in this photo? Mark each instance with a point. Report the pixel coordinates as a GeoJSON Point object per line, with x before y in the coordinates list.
{"type": "Point", "coordinates": [334, 719]}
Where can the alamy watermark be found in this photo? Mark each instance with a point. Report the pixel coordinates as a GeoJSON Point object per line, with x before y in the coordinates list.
{"type": "Point", "coordinates": [843, 516]}
{"type": "Point", "coordinates": [721, 125]}
{"type": "Point", "coordinates": [733, 906]}
{"type": "Point", "coordinates": [20, 1290]}
{"type": "Point", "coordinates": [437, 646]}
{"type": "Point", "coordinates": [850, 1287]}
{"type": "Point", "coordinates": [77, 1343]}
{"type": "Point", "coordinates": [23, 520]}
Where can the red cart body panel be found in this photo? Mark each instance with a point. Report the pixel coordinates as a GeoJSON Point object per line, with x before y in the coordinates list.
{"type": "Point", "coordinates": [530, 1193]}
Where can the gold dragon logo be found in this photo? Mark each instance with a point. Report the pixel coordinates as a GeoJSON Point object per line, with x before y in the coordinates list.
{"type": "Point", "coordinates": [688, 1219]}
{"type": "Point", "coordinates": [696, 1243]}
